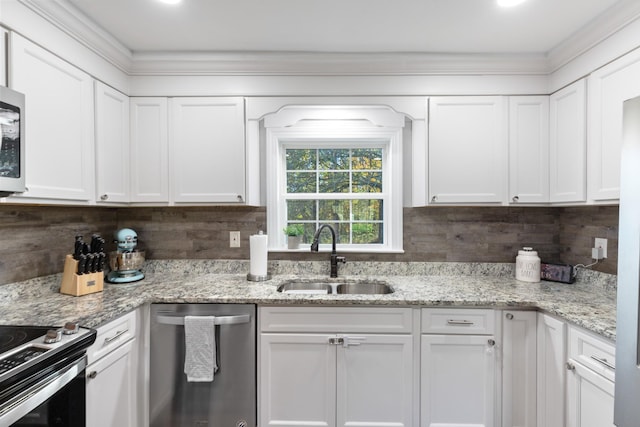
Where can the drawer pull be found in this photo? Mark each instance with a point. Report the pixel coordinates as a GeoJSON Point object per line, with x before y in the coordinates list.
{"type": "Point", "coordinates": [92, 374]}
{"type": "Point", "coordinates": [459, 322]}
{"type": "Point", "coordinates": [116, 336]}
{"type": "Point", "coordinates": [604, 362]}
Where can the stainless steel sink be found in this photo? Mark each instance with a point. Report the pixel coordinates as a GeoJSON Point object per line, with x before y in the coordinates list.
{"type": "Point", "coordinates": [335, 287]}
{"type": "Point", "coordinates": [305, 288]}
{"type": "Point", "coordinates": [370, 288]}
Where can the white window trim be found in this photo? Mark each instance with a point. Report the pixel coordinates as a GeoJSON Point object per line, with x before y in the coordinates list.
{"type": "Point", "coordinates": [381, 126]}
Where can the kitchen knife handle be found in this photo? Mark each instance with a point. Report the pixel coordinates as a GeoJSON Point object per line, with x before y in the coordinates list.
{"type": "Point", "coordinates": [89, 265]}
{"type": "Point", "coordinates": [77, 248]}
{"type": "Point", "coordinates": [102, 258]}
{"type": "Point", "coordinates": [82, 262]}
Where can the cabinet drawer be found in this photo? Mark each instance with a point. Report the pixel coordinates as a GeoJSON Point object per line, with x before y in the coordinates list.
{"type": "Point", "coordinates": [464, 321]}
{"type": "Point", "coordinates": [111, 336]}
{"type": "Point", "coordinates": [593, 352]}
{"type": "Point", "coordinates": [336, 319]}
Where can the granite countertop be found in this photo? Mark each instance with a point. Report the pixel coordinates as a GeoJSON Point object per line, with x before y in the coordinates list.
{"type": "Point", "coordinates": [589, 303]}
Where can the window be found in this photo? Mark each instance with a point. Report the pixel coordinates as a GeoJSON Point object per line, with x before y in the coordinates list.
{"type": "Point", "coordinates": [345, 173]}
{"type": "Point", "coordinates": [340, 186]}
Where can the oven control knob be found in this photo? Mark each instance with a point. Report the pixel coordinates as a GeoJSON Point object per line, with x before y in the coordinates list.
{"type": "Point", "coordinates": [70, 328]}
{"type": "Point", "coordinates": [52, 336]}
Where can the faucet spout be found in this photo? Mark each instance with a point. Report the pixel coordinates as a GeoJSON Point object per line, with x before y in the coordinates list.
{"type": "Point", "coordinates": [334, 256]}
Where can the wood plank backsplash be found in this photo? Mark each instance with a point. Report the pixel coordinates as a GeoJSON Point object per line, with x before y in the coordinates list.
{"type": "Point", "coordinates": [35, 239]}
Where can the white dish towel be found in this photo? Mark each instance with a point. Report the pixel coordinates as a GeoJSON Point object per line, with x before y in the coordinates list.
{"type": "Point", "coordinates": [200, 348]}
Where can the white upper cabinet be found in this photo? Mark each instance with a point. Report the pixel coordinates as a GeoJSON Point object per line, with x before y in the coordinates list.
{"type": "Point", "coordinates": [112, 145]}
{"type": "Point", "coordinates": [207, 150]}
{"type": "Point", "coordinates": [3, 56]}
{"type": "Point", "coordinates": [467, 149]}
{"type": "Point", "coordinates": [59, 126]}
{"type": "Point", "coordinates": [528, 149]}
{"type": "Point", "coordinates": [149, 150]}
{"type": "Point", "coordinates": [567, 158]}
{"type": "Point", "coordinates": [609, 87]}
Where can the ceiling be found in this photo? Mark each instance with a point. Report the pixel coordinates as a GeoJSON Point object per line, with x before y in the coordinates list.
{"type": "Point", "coordinates": [363, 26]}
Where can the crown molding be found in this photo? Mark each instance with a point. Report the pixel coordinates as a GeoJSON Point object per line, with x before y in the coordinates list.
{"type": "Point", "coordinates": [75, 24]}
{"type": "Point", "coordinates": [610, 22]}
{"type": "Point", "coordinates": [316, 63]}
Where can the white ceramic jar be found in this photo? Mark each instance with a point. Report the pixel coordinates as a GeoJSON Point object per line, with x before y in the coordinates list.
{"type": "Point", "coordinates": [528, 265]}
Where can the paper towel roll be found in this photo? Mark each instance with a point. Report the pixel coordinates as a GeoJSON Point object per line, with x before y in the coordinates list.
{"type": "Point", "coordinates": [258, 254]}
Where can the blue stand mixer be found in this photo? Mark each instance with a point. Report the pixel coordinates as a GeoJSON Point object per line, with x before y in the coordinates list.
{"type": "Point", "coordinates": [125, 262]}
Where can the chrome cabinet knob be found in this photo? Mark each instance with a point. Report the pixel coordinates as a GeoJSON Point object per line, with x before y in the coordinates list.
{"type": "Point", "coordinates": [515, 199]}
{"type": "Point", "coordinates": [104, 197]}
{"type": "Point", "coordinates": [92, 374]}
{"type": "Point", "coordinates": [509, 316]}
{"type": "Point", "coordinates": [434, 199]}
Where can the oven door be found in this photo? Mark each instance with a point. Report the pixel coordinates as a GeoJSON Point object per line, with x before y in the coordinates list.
{"type": "Point", "coordinates": [53, 398]}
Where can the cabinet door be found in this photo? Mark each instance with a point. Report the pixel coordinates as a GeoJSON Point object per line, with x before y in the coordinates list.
{"type": "Point", "coordinates": [519, 368]}
{"type": "Point", "coordinates": [207, 150]}
{"type": "Point", "coordinates": [567, 157]}
{"type": "Point", "coordinates": [589, 398]}
{"type": "Point", "coordinates": [111, 389]}
{"type": "Point", "coordinates": [528, 149]}
{"type": "Point", "coordinates": [149, 150]}
{"type": "Point", "coordinates": [467, 149]}
{"type": "Point", "coordinates": [375, 381]}
{"type": "Point", "coordinates": [609, 87]}
{"type": "Point", "coordinates": [297, 380]}
{"type": "Point", "coordinates": [457, 381]}
{"type": "Point", "coordinates": [112, 145]}
{"type": "Point", "coordinates": [59, 128]}
{"type": "Point", "coordinates": [551, 373]}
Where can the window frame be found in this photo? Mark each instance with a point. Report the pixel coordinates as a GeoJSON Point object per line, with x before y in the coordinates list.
{"type": "Point", "coordinates": [336, 133]}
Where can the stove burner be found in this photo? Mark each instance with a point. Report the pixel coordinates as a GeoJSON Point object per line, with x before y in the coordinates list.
{"type": "Point", "coordinates": [14, 336]}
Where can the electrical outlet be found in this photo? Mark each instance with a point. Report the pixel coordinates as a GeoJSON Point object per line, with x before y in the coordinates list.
{"type": "Point", "coordinates": [234, 239]}
{"type": "Point", "coordinates": [601, 243]}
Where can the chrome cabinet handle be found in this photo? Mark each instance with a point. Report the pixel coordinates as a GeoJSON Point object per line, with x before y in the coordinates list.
{"type": "Point", "coordinates": [434, 199]}
{"type": "Point", "coordinates": [509, 316]}
{"type": "Point", "coordinates": [92, 374]}
{"type": "Point", "coordinates": [604, 362]}
{"type": "Point", "coordinates": [336, 340]}
{"type": "Point", "coordinates": [515, 199]}
{"type": "Point", "coordinates": [168, 319]}
{"type": "Point", "coordinates": [491, 342]}
{"type": "Point", "coordinates": [570, 366]}
{"type": "Point", "coordinates": [240, 200]}
{"type": "Point", "coordinates": [459, 322]}
{"type": "Point", "coordinates": [116, 336]}
{"type": "Point", "coordinates": [104, 197]}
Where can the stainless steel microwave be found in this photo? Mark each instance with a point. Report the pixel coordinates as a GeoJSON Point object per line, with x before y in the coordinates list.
{"type": "Point", "coordinates": [12, 151]}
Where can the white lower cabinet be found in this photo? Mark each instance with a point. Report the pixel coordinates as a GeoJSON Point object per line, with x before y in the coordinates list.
{"type": "Point", "coordinates": [111, 375]}
{"type": "Point", "coordinates": [346, 376]}
{"type": "Point", "coordinates": [458, 368]}
{"type": "Point", "coordinates": [590, 382]}
{"type": "Point", "coordinates": [551, 371]}
{"type": "Point", "coordinates": [519, 368]}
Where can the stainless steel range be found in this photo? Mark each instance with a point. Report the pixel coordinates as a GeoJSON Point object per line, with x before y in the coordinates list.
{"type": "Point", "coordinates": [42, 375]}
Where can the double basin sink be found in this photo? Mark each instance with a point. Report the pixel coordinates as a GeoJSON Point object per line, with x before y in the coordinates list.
{"type": "Point", "coordinates": [319, 287]}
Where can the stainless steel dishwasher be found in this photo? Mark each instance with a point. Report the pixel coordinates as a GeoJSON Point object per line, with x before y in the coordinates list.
{"type": "Point", "coordinates": [227, 401]}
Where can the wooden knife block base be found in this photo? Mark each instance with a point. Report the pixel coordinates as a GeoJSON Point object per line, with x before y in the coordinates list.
{"type": "Point", "coordinates": [79, 284]}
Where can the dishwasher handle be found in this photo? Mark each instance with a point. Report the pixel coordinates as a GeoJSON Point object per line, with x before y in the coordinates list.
{"type": "Point", "coordinates": [170, 319]}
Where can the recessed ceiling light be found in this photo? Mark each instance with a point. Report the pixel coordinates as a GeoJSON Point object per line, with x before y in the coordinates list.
{"type": "Point", "coordinates": [170, 1]}
{"type": "Point", "coordinates": [509, 3]}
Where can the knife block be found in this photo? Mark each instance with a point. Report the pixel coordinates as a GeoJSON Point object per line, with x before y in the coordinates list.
{"type": "Point", "coordinates": [79, 284]}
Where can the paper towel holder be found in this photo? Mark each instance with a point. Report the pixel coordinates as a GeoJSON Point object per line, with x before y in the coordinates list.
{"type": "Point", "coordinates": [258, 278]}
